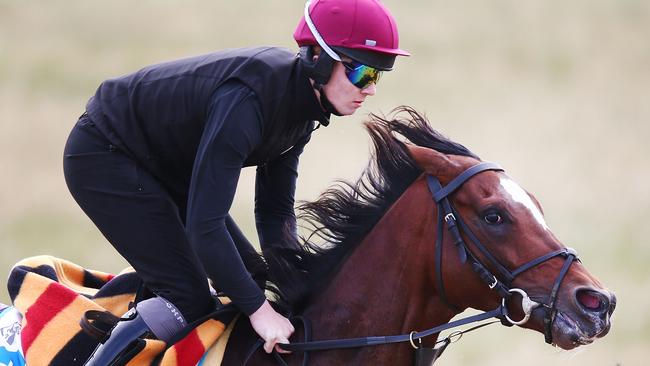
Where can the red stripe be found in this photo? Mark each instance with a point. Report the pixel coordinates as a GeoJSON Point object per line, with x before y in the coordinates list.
{"type": "Point", "coordinates": [54, 299]}
{"type": "Point", "coordinates": [189, 350]}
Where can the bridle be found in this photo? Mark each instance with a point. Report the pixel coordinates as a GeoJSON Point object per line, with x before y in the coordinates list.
{"type": "Point", "coordinates": [448, 216]}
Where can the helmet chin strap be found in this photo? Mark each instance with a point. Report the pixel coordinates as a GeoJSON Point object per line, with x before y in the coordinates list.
{"type": "Point", "coordinates": [325, 102]}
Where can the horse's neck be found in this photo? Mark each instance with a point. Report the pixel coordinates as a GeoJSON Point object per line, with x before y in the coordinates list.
{"type": "Point", "coordinates": [385, 286]}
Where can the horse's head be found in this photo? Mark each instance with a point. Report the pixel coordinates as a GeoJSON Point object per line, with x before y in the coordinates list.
{"type": "Point", "coordinates": [504, 231]}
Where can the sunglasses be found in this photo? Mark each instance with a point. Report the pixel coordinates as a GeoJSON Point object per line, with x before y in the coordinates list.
{"type": "Point", "coordinates": [361, 75]}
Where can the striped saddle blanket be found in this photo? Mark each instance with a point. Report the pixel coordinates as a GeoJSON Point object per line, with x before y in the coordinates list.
{"type": "Point", "coordinates": [53, 294]}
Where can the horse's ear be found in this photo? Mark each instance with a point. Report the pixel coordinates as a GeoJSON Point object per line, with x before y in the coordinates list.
{"type": "Point", "coordinates": [432, 161]}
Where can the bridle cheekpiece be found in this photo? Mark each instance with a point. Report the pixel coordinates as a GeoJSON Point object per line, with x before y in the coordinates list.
{"type": "Point", "coordinates": [448, 216]}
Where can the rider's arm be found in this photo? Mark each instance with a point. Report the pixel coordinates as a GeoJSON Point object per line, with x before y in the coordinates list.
{"type": "Point", "coordinates": [275, 187]}
{"type": "Point", "coordinates": [233, 129]}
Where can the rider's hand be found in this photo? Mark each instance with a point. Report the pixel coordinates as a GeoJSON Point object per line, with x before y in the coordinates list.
{"type": "Point", "coordinates": [272, 327]}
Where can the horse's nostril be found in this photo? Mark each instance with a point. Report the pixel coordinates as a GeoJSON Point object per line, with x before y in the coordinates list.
{"type": "Point", "coordinates": [593, 301]}
{"type": "Point", "coordinates": [612, 304]}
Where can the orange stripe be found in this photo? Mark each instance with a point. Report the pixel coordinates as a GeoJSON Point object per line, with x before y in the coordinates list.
{"type": "Point", "coordinates": [118, 304]}
{"type": "Point", "coordinates": [31, 289]}
{"type": "Point", "coordinates": [36, 261]}
{"type": "Point", "coordinates": [69, 274]}
{"type": "Point", "coordinates": [152, 348]}
{"type": "Point", "coordinates": [209, 331]}
{"type": "Point", "coordinates": [216, 350]}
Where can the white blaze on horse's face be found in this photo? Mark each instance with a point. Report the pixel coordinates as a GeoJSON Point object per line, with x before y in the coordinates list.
{"type": "Point", "coordinates": [519, 195]}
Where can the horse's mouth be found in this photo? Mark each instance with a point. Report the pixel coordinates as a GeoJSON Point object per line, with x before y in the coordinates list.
{"type": "Point", "coordinates": [569, 333]}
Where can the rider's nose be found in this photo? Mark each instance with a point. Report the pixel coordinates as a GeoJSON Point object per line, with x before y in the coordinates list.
{"type": "Point", "coordinates": [596, 302]}
{"type": "Point", "coordinates": [370, 90]}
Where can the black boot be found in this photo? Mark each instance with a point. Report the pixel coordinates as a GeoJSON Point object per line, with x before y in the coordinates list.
{"type": "Point", "coordinates": [155, 316]}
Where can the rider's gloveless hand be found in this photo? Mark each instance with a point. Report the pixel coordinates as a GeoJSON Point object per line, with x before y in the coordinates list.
{"type": "Point", "coordinates": [272, 327]}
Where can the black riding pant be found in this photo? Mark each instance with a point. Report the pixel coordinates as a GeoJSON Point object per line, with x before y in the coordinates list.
{"type": "Point", "coordinates": [141, 219]}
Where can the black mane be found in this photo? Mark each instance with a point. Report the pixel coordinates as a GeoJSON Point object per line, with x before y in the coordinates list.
{"type": "Point", "coordinates": [344, 214]}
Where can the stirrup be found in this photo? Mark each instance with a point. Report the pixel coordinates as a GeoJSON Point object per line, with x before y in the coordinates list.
{"type": "Point", "coordinates": [155, 317]}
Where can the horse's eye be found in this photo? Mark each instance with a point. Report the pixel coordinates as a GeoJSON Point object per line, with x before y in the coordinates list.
{"type": "Point", "coordinates": [493, 218]}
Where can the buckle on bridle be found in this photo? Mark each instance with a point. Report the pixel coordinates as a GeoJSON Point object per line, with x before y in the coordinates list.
{"type": "Point", "coordinates": [450, 217]}
{"type": "Point", "coordinates": [527, 305]}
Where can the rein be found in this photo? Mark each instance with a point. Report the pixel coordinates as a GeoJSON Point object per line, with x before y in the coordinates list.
{"type": "Point", "coordinates": [375, 341]}
{"type": "Point", "coordinates": [448, 216]}
{"type": "Point", "coordinates": [344, 343]}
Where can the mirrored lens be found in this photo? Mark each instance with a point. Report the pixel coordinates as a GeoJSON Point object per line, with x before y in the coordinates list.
{"type": "Point", "coordinates": [361, 75]}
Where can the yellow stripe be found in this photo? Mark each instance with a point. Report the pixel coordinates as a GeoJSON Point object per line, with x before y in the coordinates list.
{"type": "Point", "coordinates": [224, 300]}
{"type": "Point", "coordinates": [169, 358]}
{"type": "Point", "coordinates": [118, 305]}
{"type": "Point", "coordinates": [215, 353]}
{"type": "Point", "coordinates": [72, 276]}
{"type": "Point", "coordinates": [32, 287]}
{"type": "Point", "coordinates": [152, 348]}
{"type": "Point", "coordinates": [209, 331]}
{"type": "Point", "coordinates": [36, 261]}
{"type": "Point", "coordinates": [103, 276]}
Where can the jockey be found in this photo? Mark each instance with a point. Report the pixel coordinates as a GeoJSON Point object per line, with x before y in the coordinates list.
{"type": "Point", "coordinates": [155, 159]}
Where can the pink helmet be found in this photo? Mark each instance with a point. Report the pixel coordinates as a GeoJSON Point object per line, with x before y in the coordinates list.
{"type": "Point", "coordinates": [363, 30]}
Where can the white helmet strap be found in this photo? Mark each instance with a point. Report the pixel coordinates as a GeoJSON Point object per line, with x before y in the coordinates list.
{"type": "Point", "coordinates": [317, 35]}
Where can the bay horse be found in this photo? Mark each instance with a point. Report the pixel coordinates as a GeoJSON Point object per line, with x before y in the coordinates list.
{"type": "Point", "coordinates": [428, 231]}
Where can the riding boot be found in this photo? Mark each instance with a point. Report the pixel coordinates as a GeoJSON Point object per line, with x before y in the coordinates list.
{"type": "Point", "coordinates": [155, 316]}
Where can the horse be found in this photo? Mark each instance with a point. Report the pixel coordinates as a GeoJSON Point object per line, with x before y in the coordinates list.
{"type": "Point", "coordinates": [427, 231]}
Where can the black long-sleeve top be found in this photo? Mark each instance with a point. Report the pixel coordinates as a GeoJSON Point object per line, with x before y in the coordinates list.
{"type": "Point", "coordinates": [195, 123]}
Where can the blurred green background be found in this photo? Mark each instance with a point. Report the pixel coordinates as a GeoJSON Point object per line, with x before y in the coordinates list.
{"type": "Point", "coordinates": [555, 91]}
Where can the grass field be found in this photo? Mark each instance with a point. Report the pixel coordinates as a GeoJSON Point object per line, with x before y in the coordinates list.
{"type": "Point", "coordinates": [557, 92]}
